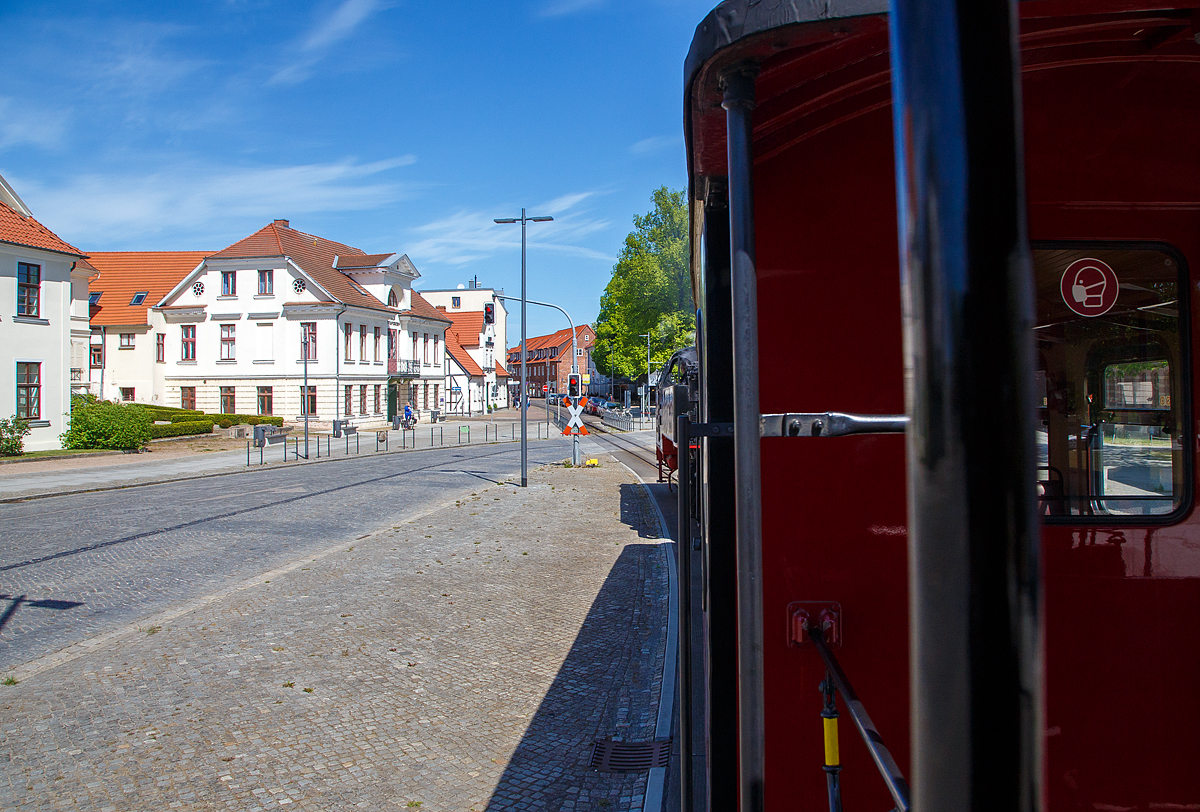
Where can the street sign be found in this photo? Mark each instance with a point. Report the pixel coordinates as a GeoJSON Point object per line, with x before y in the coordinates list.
{"type": "Point", "coordinates": [545, 388]}
{"type": "Point", "coordinates": [586, 379]}
{"type": "Point", "coordinates": [575, 423]}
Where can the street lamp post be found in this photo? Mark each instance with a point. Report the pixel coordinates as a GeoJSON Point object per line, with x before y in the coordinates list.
{"type": "Point", "coordinates": [646, 399]}
{"type": "Point", "coordinates": [574, 358]}
{"type": "Point", "coordinates": [523, 220]}
{"type": "Point", "coordinates": [307, 404]}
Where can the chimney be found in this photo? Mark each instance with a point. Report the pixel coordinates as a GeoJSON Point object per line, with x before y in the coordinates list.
{"type": "Point", "coordinates": [283, 223]}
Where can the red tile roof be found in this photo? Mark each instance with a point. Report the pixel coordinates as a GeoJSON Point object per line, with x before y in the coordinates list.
{"type": "Point", "coordinates": [362, 261]}
{"type": "Point", "coordinates": [315, 256]}
{"type": "Point", "coordinates": [468, 325]}
{"type": "Point", "coordinates": [120, 274]}
{"type": "Point", "coordinates": [420, 306]}
{"type": "Point", "coordinates": [29, 232]}
{"type": "Point", "coordinates": [462, 357]}
{"type": "Point", "coordinates": [561, 339]}
{"type": "Point", "coordinates": [501, 372]}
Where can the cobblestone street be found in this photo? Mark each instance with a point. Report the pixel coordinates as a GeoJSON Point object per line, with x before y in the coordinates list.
{"type": "Point", "coordinates": [465, 659]}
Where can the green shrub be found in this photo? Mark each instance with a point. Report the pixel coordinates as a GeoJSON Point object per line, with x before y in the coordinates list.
{"type": "Point", "coordinates": [182, 417]}
{"type": "Point", "coordinates": [12, 436]}
{"type": "Point", "coordinates": [182, 429]}
{"type": "Point", "coordinates": [227, 420]}
{"type": "Point", "coordinates": [102, 424]}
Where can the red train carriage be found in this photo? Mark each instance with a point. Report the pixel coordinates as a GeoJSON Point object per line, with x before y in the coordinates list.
{"type": "Point", "coordinates": [945, 411]}
{"type": "Point", "coordinates": [675, 384]}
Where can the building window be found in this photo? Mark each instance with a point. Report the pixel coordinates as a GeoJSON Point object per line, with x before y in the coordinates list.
{"type": "Point", "coordinates": [127, 393]}
{"type": "Point", "coordinates": [425, 396]}
{"type": "Point", "coordinates": [138, 298]}
{"type": "Point", "coordinates": [308, 341]}
{"type": "Point", "coordinates": [362, 342]}
{"type": "Point", "coordinates": [228, 283]}
{"type": "Point", "coordinates": [228, 400]}
{"type": "Point", "coordinates": [378, 398]}
{"type": "Point", "coordinates": [456, 301]}
{"type": "Point", "coordinates": [266, 400]}
{"type": "Point", "coordinates": [349, 337]}
{"type": "Point", "coordinates": [392, 302]}
{"type": "Point", "coordinates": [160, 347]}
{"type": "Point", "coordinates": [425, 348]}
{"type": "Point", "coordinates": [308, 401]}
{"type": "Point", "coordinates": [94, 297]}
{"type": "Point", "coordinates": [266, 283]}
{"type": "Point", "coordinates": [436, 402]}
{"type": "Point", "coordinates": [362, 399]}
{"type": "Point", "coordinates": [228, 342]}
{"type": "Point", "coordinates": [414, 355]}
{"type": "Point", "coordinates": [29, 391]}
{"type": "Point", "coordinates": [349, 400]}
{"type": "Point", "coordinates": [436, 357]}
{"type": "Point", "coordinates": [127, 341]}
{"type": "Point", "coordinates": [187, 398]}
{"type": "Point", "coordinates": [29, 287]}
{"type": "Point", "coordinates": [188, 346]}
{"type": "Point", "coordinates": [376, 348]}
{"type": "Point", "coordinates": [97, 356]}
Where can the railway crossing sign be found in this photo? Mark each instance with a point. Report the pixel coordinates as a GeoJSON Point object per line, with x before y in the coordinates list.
{"type": "Point", "coordinates": [575, 423]}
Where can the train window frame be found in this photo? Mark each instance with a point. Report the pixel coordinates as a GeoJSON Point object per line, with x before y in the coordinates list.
{"type": "Point", "coordinates": [1184, 288]}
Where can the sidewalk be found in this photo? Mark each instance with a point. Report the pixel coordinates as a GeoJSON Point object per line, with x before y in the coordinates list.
{"type": "Point", "coordinates": [51, 476]}
{"type": "Point", "coordinates": [466, 660]}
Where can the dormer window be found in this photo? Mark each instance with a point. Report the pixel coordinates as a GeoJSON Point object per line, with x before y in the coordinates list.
{"type": "Point", "coordinates": [456, 301]}
{"type": "Point", "coordinates": [392, 302]}
{"type": "Point", "coordinates": [94, 297]}
{"type": "Point", "coordinates": [138, 297]}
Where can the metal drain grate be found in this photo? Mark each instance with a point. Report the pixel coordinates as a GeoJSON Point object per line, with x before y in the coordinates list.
{"type": "Point", "coordinates": [609, 756]}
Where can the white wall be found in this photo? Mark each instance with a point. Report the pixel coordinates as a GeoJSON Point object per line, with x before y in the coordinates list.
{"type": "Point", "coordinates": [46, 340]}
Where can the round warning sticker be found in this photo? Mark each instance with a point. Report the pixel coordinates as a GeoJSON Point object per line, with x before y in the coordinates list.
{"type": "Point", "coordinates": [1089, 287]}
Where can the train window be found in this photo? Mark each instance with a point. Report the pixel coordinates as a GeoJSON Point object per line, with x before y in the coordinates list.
{"type": "Point", "coordinates": [1111, 379]}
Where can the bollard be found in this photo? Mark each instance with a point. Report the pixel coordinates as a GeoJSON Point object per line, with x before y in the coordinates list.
{"type": "Point", "coordinates": [247, 453]}
{"type": "Point", "coordinates": [318, 447]}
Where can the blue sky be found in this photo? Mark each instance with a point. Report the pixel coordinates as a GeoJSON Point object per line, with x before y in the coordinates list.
{"type": "Point", "coordinates": [384, 124]}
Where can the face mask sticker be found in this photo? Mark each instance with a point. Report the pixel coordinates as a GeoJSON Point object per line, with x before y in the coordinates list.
{"type": "Point", "coordinates": [1089, 287]}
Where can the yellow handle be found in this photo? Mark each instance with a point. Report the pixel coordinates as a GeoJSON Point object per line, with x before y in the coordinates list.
{"type": "Point", "coordinates": [831, 743]}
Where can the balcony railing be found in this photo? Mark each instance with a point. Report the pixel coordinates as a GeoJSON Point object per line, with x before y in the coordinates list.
{"type": "Point", "coordinates": [76, 375]}
{"type": "Point", "coordinates": [404, 366]}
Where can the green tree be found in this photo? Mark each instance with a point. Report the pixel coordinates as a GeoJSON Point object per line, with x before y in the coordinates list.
{"type": "Point", "coordinates": [650, 292]}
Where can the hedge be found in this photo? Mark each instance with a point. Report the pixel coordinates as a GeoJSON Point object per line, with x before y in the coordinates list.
{"type": "Point", "coordinates": [182, 429]}
{"type": "Point", "coordinates": [185, 417]}
{"type": "Point", "coordinates": [102, 424]}
{"type": "Point", "coordinates": [227, 420]}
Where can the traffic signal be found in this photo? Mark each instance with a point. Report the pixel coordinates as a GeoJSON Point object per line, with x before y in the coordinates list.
{"type": "Point", "coordinates": [574, 384]}
{"type": "Point", "coordinates": [489, 313]}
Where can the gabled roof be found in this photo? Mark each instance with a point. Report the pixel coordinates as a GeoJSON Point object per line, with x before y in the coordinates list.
{"type": "Point", "coordinates": [28, 232]}
{"type": "Point", "coordinates": [313, 254]}
{"type": "Point", "coordinates": [501, 372]}
{"type": "Point", "coordinates": [462, 357]}
{"type": "Point", "coordinates": [121, 274]}
{"type": "Point", "coordinates": [422, 308]}
{"type": "Point", "coordinates": [468, 325]}
{"type": "Point", "coordinates": [363, 261]}
{"type": "Point", "coordinates": [560, 339]}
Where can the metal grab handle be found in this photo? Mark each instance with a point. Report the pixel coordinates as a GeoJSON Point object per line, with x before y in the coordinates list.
{"type": "Point", "coordinates": [882, 757]}
{"type": "Point", "coordinates": [830, 424]}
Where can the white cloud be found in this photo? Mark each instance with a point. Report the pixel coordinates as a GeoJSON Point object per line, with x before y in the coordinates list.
{"type": "Point", "coordinates": [471, 235]}
{"type": "Point", "coordinates": [22, 124]}
{"type": "Point", "coordinates": [329, 31]}
{"type": "Point", "coordinates": [193, 202]}
{"type": "Point", "coordinates": [657, 143]}
{"type": "Point", "coordinates": [559, 8]}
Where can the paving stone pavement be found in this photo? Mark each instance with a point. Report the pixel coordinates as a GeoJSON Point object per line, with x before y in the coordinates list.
{"type": "Point", "coordinates": [463, 661]}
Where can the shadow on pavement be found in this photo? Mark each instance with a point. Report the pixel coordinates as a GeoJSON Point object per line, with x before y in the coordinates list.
{"type": "Point", "coordinates": [607, 687]}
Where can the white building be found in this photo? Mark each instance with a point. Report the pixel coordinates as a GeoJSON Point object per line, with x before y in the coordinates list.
{"type": "Point", "coordinates": [127, 357]}
{"type": "Point", "coordinates": [43, 323]}
{"type": "Point", "coordinates": [244, 328]}
{"type": "Point", "coordinates": [475, 376]}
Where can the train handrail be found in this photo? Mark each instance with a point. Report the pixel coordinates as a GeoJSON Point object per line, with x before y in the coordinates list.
{"type": "Point", "coordinates": [884, 763]}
